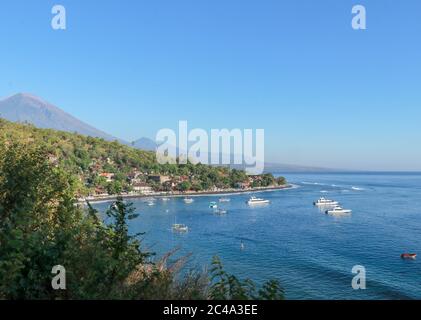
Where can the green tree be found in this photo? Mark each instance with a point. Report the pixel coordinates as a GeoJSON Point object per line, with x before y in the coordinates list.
{"type": "Point", "coordinates": [197, 186]}
{"type": "Point", "coordinates": [267, 180]}
{"type": "Point", "coordinates": [37, 216]}
{"type": "Point", "coordinates": [114, 187]}
{"type": "Point", "coordinates": [226, 286]}
{"type": "Point", "coordinates": [281, 181]}
{"type": "Point", "coordinates": [184, 186]}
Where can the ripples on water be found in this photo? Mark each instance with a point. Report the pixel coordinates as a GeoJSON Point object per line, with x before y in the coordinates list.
{"type": "Point", "coordinates": [310, 253]}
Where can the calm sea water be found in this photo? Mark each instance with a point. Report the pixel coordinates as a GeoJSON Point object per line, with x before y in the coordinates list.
{"type": "Point", "coordinates": [310, 253]}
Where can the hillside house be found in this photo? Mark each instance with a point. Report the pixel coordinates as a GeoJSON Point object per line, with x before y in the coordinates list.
{"type": "Point", "coordinates": [107, 175]}
{"type": "Point", "coordinates": [142, 188]}
{"type": "Point", "coordinates": [159, 178]}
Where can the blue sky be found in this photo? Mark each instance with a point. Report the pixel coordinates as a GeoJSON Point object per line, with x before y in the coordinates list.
{"type": "Point", "coordinates": [325, 94]}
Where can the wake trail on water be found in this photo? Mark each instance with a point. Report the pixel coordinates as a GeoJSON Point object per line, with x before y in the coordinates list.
{"type": "Point", "coordinates": [344, 188]}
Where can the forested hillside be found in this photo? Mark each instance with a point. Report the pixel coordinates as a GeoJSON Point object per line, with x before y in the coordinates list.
{"type": "Point", "coordinates": [104, 167]}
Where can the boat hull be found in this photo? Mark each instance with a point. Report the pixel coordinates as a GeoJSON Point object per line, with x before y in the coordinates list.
{"type": "Point", "coordinates": [252, 203]}
{"type": "Point", "coordinates": [411, 256]}
{"type": "Point", "coordinates": [342, 212]}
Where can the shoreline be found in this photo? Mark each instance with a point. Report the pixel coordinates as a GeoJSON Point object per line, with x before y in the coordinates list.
{"type": "Point", "coordinates": [173, 194]}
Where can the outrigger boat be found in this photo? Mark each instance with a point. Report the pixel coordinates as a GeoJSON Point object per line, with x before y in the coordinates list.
{"type": "Point", "coordinates": [411, 256]}
{"type": "Point", "coordinates": [178, 227]}
{"type": "Point", "coordinates": [213, 205]}
{"type": "Point", "coordinates": [220, 212]}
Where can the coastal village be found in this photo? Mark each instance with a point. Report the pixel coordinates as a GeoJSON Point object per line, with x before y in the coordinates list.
{"type": "Point", "coordinates": [147, 183]}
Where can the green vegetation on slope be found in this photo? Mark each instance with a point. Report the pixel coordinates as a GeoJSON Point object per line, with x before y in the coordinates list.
{"type": "Point", "coordinates": [109, 167]}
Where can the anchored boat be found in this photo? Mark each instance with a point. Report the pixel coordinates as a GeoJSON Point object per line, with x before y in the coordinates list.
{"type": "Point", "coordinates": [323, 202]}
{"type": "Point", "coordinates": [178, 227]}
{"type": "Point", "coordinates": [188, 200]}
{"type": "Point", "coordinates": [337, 210]}
{"type": "Point", "coordinates": [254, 201]}
{"type": "Point", "coordinates": [220, 212]}
{"type": "Point", "coordinates": [213, 205]}
{"type": "Point", "coordinates": [411, 256]}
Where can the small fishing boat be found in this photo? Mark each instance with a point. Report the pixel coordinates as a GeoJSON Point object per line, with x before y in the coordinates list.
{"type": "Point", "coordinates": [411, 256]}
{"type": "Point", "coordinates": [165, 199]}
{"type": "Point", "coordinates": [224, 199]}
{"type": "Point", "coordinates": [178, 227]}
{"type": "Point", "coordinates": [213, 205]}
{"type": "Point", "coordinates": [220, 212]}
{"type": "Point", "coordinates": [188, 200]}
{"type": "Point", "coordinates": [254, 200]}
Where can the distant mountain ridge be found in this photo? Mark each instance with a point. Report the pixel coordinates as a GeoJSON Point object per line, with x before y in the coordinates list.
{"type": "Point", "coordinates": [144, 144]}
{"type": "Point", "coordinates": [24, 107]}
{"type": "Point", "coordinates": [28, 108]}
{"type": "Point", "coordinates": [277, 167]}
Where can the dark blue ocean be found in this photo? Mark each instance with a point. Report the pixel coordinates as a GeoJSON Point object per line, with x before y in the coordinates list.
{"type": "Point", "coordinates": [310, 253]}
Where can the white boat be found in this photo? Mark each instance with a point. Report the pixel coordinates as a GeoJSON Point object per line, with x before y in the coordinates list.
{"type": "Point", "coordinates": [220, 212]}
{"type": "Point", "coordinates": [224, 199]}
{"type": "Point", "coordinates": [337, 210]}
{"type": "Point", "coordinates": [151, 203]}
{"type": "Point", "coordinates": [188, 200]}
{"type": "Point", "coordinates": [213, 205]}
{"type": "Point", "coordinates": [254, 200]}
{"type": "Point", "coordinates": [165, 199]}
{"type": "Point", "coordinates": [178, 227]}
{"type": "Point", "coordinates": [323, 202]}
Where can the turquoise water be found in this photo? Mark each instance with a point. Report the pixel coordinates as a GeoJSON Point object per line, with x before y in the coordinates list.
{"type": "Point", "coordinates": [310, 253]}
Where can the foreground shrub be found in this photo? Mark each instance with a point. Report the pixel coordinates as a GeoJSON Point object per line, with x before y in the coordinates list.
{"type": "Point", "coordinates": [41, 226]}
